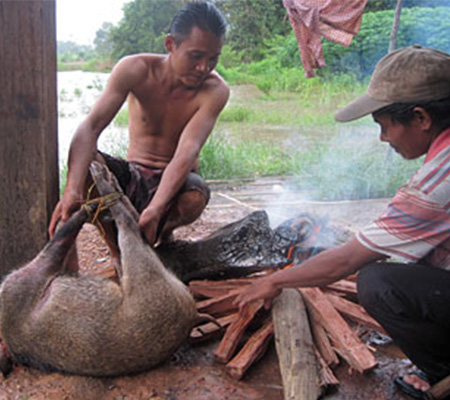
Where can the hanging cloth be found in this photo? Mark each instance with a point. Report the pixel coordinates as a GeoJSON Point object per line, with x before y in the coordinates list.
{"type": "Point", "coordinates": [336, 20]}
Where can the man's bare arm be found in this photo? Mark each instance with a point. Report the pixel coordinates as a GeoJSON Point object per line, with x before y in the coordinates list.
{"type": "Point", "coordinates": [189, 146]}
{"type": "Point", "coordinates": [325, 268]}
{"type": "Point", "coordinates": [83, 147]}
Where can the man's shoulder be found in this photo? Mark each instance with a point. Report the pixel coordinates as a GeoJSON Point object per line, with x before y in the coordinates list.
{"type": "Point", "coordinates": [136, 67]}
{"type": "Point", "coordinates": [215, 84]}
{"type": "Point", "coordinates": [140, 61]}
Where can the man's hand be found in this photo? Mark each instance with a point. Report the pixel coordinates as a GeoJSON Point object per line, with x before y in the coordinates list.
{"type": "Point", "coordinates": [68, 203]}
{"type": "Point", "coordinates": [261, 289]}
{"type": "Point", "coordinates": [149, 222]}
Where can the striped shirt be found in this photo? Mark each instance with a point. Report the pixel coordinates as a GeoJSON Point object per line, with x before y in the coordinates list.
{"type": "Point", "coordinates": [415, 227]}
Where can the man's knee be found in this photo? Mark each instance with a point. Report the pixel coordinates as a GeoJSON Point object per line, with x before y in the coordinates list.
{"type": "Point", "coordinates": [191, 204]}
{"type": "Point", "coordinates": [371, 284]}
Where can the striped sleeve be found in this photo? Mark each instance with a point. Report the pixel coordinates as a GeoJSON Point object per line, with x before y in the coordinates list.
{"type": "Point", "coordinates": [417, 221]}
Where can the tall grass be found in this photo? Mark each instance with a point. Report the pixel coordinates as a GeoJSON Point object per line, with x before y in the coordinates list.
{"type": "Point", "coordinates": [332, 171]}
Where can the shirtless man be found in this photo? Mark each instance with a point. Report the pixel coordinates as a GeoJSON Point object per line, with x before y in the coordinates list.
{"type": "Point", "coordinates": [173, 101]}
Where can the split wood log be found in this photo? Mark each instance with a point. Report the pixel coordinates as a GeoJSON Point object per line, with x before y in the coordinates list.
{"type": "Point", "coordinates": [321, 339]}
{"type": "Point", "coordinates": [441, 389]}
{"type": "Point", "coordinates": [355, 312]}
{"type": "Point", "coordinates": [252, 351]}
{"type": "Point", "coordinates": [207, 288]}
{"type": "Point", "coordinates": [235, 331]}
{"type": "Point", "coordinates": [210, 329]}
{"type": "Point", "coordinates": [295, 348]}
{"type": "Point", "coordinates": [327, 378]}
{"type": "Point", "coordinates": [347, 343]}
{"type": "Point", "coordinates": [219, 306]}
{"type": "Point", "coordinates": [343, 286]}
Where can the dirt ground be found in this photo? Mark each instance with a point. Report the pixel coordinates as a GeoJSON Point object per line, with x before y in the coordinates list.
{"type": "Point", "coordinates": [192, 373]}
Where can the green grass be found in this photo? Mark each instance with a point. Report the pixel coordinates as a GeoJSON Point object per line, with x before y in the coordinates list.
{"type": "Point", "coordinates": [270, 131]}
{"type": "Point", "coordinates": [334, 171]}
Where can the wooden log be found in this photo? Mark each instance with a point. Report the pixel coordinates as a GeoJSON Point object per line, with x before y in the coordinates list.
{"type": "Point", "coordinates": [235, 331]}
{"type": "Point", "coordinates": [343, 286]}
{"type": "Point", "coordinates": [348, 344]}
{"type": "Point", "coordinates": [208, 288]}
{"type": "Point", "coordinates": [327, 378]}
{"type": "Point", "coordinates": [295, 348]}
{"type": "Point", "coordinates": [210, 329]}
{"type": "Point", "coordinates": [441, 389]}
{"type": "Point", "coordinates": [355, 312]}
{"type": "Point", "coordinates": [252, 351]}
{"type": "Point", "coordinates": [322, 340]}
{"type": "Point", "coordinates": [219, 306]}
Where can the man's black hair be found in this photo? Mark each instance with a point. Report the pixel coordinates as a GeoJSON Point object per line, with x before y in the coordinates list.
{"type": "Point", "coordinates": [403, 113]}
{"type": "Point", "coordinates": [202, 14]}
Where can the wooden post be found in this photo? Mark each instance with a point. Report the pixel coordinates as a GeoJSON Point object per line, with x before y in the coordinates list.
{"type": "Point", "coordinates": [295, 347]}
{"type": "Point", "coordinates": [28, 128]}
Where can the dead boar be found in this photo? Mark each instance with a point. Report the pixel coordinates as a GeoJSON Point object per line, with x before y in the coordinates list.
{"type": "Point", "coordinates": [57, 320]}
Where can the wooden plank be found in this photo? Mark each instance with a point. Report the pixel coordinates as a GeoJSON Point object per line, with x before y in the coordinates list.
{"type": "Point", "coordinates": [327, 378]}
{"type": "Point", "coordinates": [344, 286]}
{"type": "Point", "coordinates": [211, 330]}
{"type": "Point", "coordinates": [235, 331]}
{"type": "Point", "coordinates": [355, 312]}
{"type": "Point", "coordinates": [252, 351]}
{"type": "Point", "coordinates": [218, 306]}
{"type": "Point", "coordinates": [321, 339]}
{"type": "Point", "coordinates": [217, 288]}
{"type": "Point", "coordinates": [348, 344]}
{"type": "Point", "coordinates": [29, 180]}
{"type": "Point", "coordinates": [295, 348]}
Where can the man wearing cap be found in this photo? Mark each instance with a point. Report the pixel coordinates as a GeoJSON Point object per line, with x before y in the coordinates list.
{"type": "Point", "coordinates": [409, 97]}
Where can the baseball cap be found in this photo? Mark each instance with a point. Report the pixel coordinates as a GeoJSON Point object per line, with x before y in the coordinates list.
{"type": "Point", "coordinates": [411, 74]}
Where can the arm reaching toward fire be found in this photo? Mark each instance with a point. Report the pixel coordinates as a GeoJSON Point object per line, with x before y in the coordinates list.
{"type": "Point", "coordinates": [323, 269]}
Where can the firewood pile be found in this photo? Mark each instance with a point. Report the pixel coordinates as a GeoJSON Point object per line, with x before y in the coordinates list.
{"type": "Point", "coordinates": [333, 317]}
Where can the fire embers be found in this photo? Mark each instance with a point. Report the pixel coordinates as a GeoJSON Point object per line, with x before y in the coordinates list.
{"type": "Point", "coordinates": [303, 236]}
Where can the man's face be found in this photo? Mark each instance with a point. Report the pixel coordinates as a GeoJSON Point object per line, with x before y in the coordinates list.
{"type": "Point", "coordinates": [410, 141]}
{"type": "Point", "coordinates": [195, 57]}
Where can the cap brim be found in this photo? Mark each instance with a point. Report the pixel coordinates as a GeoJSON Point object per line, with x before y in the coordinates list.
{"type": "Point", "coordinates": [358, 108]}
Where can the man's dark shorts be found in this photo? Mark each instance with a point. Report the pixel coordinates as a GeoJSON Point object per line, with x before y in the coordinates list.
{"type": "Point", "coordinates": [140, 183]}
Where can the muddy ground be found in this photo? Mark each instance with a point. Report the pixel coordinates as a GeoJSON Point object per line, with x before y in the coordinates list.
{"type": "Point", "coordinates": [192, 373]}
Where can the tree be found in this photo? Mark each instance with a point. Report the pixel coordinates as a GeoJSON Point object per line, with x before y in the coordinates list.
{"type": "Point", "coordinates": [102, 42]}
{"type": "Point", "coordinates": [251, 22]}
{"type": "Point", "coordinates": [143, 26]}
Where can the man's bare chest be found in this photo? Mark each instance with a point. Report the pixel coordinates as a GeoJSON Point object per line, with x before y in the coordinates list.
{"type": "Point", "coordinates": [161, 109]}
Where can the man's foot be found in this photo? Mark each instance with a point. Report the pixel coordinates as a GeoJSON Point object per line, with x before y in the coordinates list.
{"type": "Point", "coordinates": [415, 385]}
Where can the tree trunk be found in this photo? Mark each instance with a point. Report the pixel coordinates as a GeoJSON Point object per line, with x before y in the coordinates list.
{"type": "Point", "coordinates": [395, 26]}
{"type": "Point", "coordinates": [28, 135]}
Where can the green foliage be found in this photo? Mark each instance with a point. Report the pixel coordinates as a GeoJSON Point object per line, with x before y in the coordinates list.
{"type": "Point", "coordinates": [121, 118]}
{"type": "Point", "coordinates": [73, 52]}
{"type": "Point", "coordinates": [329, 171]}
{"type": "Point", "coordinates": [251, 22]}
{"type": "Point", "coordinates": [103, 41]}
{"type": "Point", "coordinates": [220, 159]}
{"type": "Point", "coordinates": [425, 26]}
{"type": "Point", "coordinates": [380, 5]}
{"type": "Point", "coordinates": [143, 27]}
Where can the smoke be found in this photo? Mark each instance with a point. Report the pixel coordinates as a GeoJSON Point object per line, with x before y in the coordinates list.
{"type": "Point", "coordinates": [350, 181]}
